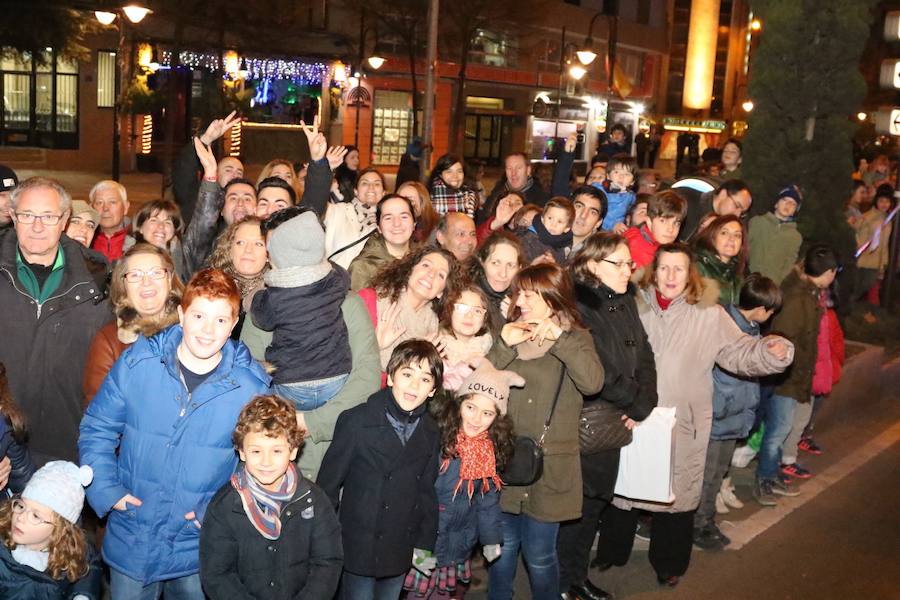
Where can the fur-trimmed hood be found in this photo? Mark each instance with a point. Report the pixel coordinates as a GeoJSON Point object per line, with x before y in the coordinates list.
{"type": "Point", "coordinates": [130, 325]}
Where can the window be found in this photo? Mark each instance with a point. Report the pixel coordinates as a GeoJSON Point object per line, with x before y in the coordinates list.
{"type": "Point", "coordinates": [392, 126]}
{"type": "Point", "coordinates": [106, 79]}
{"type": "Point", "coordinates": [40, 100]}
{"type": "Point", "coordinates": [494, 49]}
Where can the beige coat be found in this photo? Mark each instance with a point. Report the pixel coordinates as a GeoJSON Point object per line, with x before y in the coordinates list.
{"type": "Point", "coordinates": [880, 256]}
{"type": "Point", "coordinates": [688, 340]}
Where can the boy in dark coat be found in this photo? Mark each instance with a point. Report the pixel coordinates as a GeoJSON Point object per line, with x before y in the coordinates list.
{"type": "Point", "coordinates": [385, 457]}
{"type": "Point", "coordinates": [269, 532]}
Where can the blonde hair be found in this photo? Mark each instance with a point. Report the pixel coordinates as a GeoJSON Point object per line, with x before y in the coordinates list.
{"type": "Point", "coordinates": [67, 546]}
{"type": "Point", "coordinates": [276, 162]}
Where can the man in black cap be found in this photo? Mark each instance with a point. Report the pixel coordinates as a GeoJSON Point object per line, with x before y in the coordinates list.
{"type": "Point", "coordinates": [8, 181]}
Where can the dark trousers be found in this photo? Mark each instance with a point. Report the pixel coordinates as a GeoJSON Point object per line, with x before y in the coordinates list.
{"type": "Point", "coordinates": [671, 539]}
{"type": "Point", "coordinates": [575, 541]}
{"type": "Point", "coordinates": [718, 459]}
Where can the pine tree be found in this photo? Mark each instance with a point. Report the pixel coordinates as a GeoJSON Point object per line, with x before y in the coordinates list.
{"type": "Point", "coordinates": [806, 87]}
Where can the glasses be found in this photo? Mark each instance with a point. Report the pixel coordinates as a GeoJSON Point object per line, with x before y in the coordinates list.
{"type": "Point", "coordinates": [620, 264]}
{"type": "Point", "coordinates": [29, 218]}
{"type": "Point", "coordinates": [737, 205]}
{"type": "Point", "coordinates": [137, 276]}
{"type": "Point", "coordinates": [19, 507]}
{"type": "Point", "coordinates": [467, 308]}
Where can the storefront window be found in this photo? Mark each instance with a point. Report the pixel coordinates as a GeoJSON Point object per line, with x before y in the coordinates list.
{"type": "Point", "coordinates": [40, 100]}
{"type": "Point", "coordinates": [392, 126]}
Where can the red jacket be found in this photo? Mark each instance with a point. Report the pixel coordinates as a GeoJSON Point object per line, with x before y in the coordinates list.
{"type": "Point", "coordinates": [110, 247]}
{"type": "Point", "coordinates": [642, 245]}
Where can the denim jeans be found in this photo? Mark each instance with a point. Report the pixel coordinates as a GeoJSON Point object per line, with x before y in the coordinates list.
{"type": "Point", "coordinates": [123, 587]}
{"type": "Point", "coordinates": [537, 541]}
{"type": "Point", "coordinates": [310, 395]}
{"type": "Point", "coordinates": [778, 418]}
{"type": "Point", "coordinates": [360, 587]}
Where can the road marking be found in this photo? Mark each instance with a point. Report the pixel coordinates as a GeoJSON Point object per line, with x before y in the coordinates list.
{"type": "Point", "coordinates": [743, 532]}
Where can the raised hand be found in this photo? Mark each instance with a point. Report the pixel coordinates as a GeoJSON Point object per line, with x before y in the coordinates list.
{"type": "Point", "coordinates": [389, 330]}
{"type": "Point", "coordinates": [335, 156]}
{"type": "Point", "coordinates": [315, 140]}
{"type": "Point", "coordinates": [546, 330]}
{"type": "Point", "coordinates": [506, 210]}
{"type": "Point", "coordinates": [516, 332]}
{"type": "Point", "coordinates": [207, 159]}
{"type": "Point", "coordinates": [571, 140]}
{"type": "Point", "coordinates": [218, 128]}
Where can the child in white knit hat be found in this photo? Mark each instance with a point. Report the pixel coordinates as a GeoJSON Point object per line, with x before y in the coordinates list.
{"type": "Point", "coordinates": [44, 553]}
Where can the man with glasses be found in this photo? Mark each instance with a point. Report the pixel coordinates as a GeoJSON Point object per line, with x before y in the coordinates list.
{"type": "Point", "coordinates": [731, 198]}
{"type": "Point", "coordinates": [53, 294]}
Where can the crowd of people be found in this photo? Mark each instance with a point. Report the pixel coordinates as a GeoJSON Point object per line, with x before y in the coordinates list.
{"type": "Point", "coordinates": [309, 386]}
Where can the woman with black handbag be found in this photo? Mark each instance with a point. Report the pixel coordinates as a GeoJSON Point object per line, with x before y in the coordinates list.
{"type": "Point", "coordinates": [602, 270]}
{"type": "Point", "coordinates": [547, 346]}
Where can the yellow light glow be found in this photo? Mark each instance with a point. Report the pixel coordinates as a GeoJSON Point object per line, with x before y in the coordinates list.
{"type": "Point", "coordinates": [747, 105]}
{"type": "Point", "coordinates": [577, 72]}
{"type": "Point", "coordinates": [701, 54]}
{"type": "Point", "coordinates": [135, 12]}
{"type": "Point", "coordinates": [339, 72]}
{"type": "Point", "coordinates": [755, 24]}
{"type": "Point", "coordinates": [105, 18]}
{"type": "Point", "coordinates": [861, 116]}
{"type": "Point", "coordinates": [145, 55]}
{"type": "Point", "coordinates": [255, 125]}
{"type": "Point", "coordinates": [232, 62]}
{"type": "Point", "coordinates": [234, 148]}
{"type": "Point", "coordinates": [147, 135]}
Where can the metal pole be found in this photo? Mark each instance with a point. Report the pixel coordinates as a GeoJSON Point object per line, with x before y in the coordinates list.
{"type": "Point", "coordinates": [359, 67]}
{"type": "Point", "coordinates": [117, 102]}
{"type": "Point", "coordinates": [430, 81]}
{"type": "Point", "coordinates": [891, 275]}
{"type": "Point", "coordinates": [562, 62]}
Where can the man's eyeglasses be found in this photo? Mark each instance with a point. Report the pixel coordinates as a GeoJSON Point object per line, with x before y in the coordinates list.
{"type": "Point", "coordinates": [28, 218]}
{"type": "Point", "coordinates": [620, 264]}
{"type": "Point", "coordinates": [19, 507]}
{"type": "Point", "coordinates": [137, 276]}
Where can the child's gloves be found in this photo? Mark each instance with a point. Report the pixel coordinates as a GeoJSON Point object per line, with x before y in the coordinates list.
{"type": "Point", "coordinates": [491, 552]}
{"type": "Point", "coordinates": [423, 561]}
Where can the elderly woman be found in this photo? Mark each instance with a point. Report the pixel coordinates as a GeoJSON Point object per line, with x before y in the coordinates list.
{"type": "Point", "coordinates": [721, 255]}
{"type": "Point", "coordinates": [547, 346]}
{"type": "Point", "coordinates": [159, 223]}
{"type": "Point", "coordinates": [406, 297]}
{"type": "Point", "coordinates": [688, 339]}
{"type": "Point", "coordinates": [499, 259]}
{"type": "Point", "coordinates": [396, 220]}
{"type": "Point", "coordinates": [241, 252]}
{"type": "Point", "coordinates": [605, 298]}
{"type": "Point", "coordinates": [145, 293]}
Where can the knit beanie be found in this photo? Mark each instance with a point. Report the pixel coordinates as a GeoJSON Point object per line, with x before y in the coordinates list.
{"type": "Point", "coordinates": [79, 207]}
{"type": "Point", "coordinates": [792, 192]}
{"type": "Point", "coordinates": [297, 252]}
{"type": "Point", "coordinates": [8, 179]}
{"type": "Point", "coordinates": [487, 381]}
{"type": "Point", "coordinates": [59, 485]}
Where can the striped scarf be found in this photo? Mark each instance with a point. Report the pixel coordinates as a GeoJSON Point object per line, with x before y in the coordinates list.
{"type": "Point", "coordinates": [262, 506]}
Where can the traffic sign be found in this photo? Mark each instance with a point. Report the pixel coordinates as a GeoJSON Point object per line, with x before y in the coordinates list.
{"type": "Point", "coordinates": [890, 74]}
{"type": "Point", "coordinates": [892, 26]}
{"type": "Point", "coordinates": [887, 121]}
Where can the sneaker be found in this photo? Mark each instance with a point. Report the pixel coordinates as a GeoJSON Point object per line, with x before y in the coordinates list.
{"type": "Point", "coordinates": [808, 444]}
{"type": "Point", "coordinates": [728, 495]}
{"type": "Point", "coordinates": [721, 506]}
{"type": "Point", "coordinates": [705, 539]}
{"type": "Point", "coordinates": [643, 529]}
{"type": "Point", "coordinates": [783, 488]}
{"type": "Point", "coordinates": [795, 470]}
{"type": "Point", "coordinates": [764, 492]}
{"type": "Point", "coordinates": [714, 531]}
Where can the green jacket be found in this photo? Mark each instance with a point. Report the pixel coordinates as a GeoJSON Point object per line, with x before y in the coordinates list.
{"type": "Point", "coordinates": [364, 380]}
{"type": "Point", "coordinates": [373, 256]}
{"type": "Point", "coordinates": [798, 321]}
{"type": "Point", "coordinates": [556, 496]}
{"type": "Point", "coordinates": [774, 245]}
{"type": "Point", "coordinates": [727, 282]}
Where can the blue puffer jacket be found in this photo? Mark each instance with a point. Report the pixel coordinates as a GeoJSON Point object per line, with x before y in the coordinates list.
{"type": "Point", "coordinates": [463, 523]}
{"type": "Point", "coordinates": [735, 399]}
{"type": "Point", "coordinates": [175, 451]}
{"type": "Point", "coordinates": [617, 207]}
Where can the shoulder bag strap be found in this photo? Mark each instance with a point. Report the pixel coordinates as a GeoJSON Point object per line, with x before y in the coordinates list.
{"type": "Point", "coordinates": [562, 376]}
{"type": "Point", "coordinates": [348, 246]}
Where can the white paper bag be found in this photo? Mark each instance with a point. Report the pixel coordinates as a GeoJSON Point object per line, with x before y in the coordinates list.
{"type": "Point", "coordinates": [645, 465]}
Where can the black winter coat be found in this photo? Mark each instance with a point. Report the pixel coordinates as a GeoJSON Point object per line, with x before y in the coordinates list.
{"type": "Point", "coordinates": [237, 563]}
{"type": "Point", "coordinates": [389, 505]}
{"type": "Point", "coordinates": [19, 458]}
{"type": "Point", "coordinates": [21, 582]}
{"type": "Point", "coordinates": [630, 372]}
{"type": "Point", "coordinates": [45, 347]}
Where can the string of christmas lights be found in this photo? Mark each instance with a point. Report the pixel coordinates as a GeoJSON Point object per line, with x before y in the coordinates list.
{"type": "Point", "coordinates": [299, 71]}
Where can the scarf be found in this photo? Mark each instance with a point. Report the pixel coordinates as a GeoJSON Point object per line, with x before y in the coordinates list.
{"type": "Point", "coordinates": [262, 506]}
{"type": "Point", "coordinates": [446, 199]}
{"type": "Point", "coordinates": [36, 559]}
{"type": "Point", "coordinates": [563, 240]}
{"type": "Point", "coordinates": [365, 216]}
{"type": "Point", "coordinates": [662, 300]}
{"type": "Point", "coordinates": [476, 461]}
{"type": "Point", "coordinates": [246, 285]}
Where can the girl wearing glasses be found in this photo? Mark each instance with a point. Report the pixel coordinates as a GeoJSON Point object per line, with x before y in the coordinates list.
{"type": "Point", "coordinates": [145, 292]}
{"type": "Point", "coordinates": [465, 332]}
{"type": "Point", "coordinates": [44, 553]}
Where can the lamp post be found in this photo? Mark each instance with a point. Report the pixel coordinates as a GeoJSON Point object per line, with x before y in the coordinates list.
{"type": "Point", "coordinates": [134, 13]}
{"type": "Point", "coordinates": [575, 71]}
{"type": "Point", "coordinates": [587, 54]}
{"type": "Point", "coordinates": [375, 61]}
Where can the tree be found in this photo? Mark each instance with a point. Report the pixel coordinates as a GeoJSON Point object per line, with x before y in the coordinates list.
{"type": "Point", "coordinates": [806, 87]}
{"type": "Point", "coordinates": [32, 26]}
{"type": "Point", "coordinates": [460, 22]}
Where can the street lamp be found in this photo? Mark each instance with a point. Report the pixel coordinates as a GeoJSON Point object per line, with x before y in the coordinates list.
{"type": "Point", "coordinates": [134, 13]}
{"type": "Point", "coordinates": [747, 105]}
{"type": "Point", "coordinates": [375, 61]}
